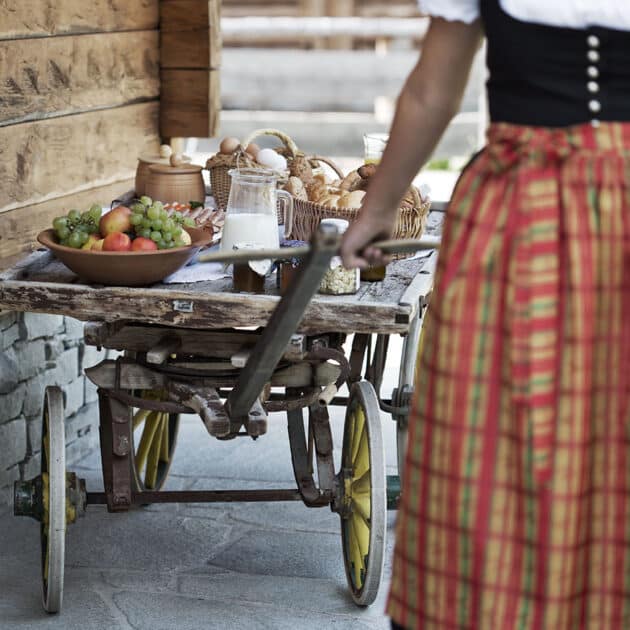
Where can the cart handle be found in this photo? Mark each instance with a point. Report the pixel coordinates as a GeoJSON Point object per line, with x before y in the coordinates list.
{"type": "Point", "coordinates": [400, 246]}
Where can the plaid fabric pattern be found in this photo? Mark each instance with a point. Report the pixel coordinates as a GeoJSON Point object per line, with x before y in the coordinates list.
{"type": "Point", "coordinates": [515, 512]}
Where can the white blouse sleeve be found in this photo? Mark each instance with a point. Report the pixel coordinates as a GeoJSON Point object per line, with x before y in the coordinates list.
{"type": "Point", "coordinates": [460, 10]}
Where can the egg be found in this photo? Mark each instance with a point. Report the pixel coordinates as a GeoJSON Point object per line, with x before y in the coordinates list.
{"type": "Point", "coordinates": [229, 145]}
{"type": "Point", "coordinates": [252, 149]}
{"type": "Point", "coordinates": [165, 151]}
{"type": "Point", "coordinates": [271, 159]}
{"type": "Point", "coordinates": [177, 159]}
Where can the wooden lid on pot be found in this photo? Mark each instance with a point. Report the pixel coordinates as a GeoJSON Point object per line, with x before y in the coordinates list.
{"type": "Point", "coordinates": [152, 158]}
{"type": "Point", "coordinates": [175, 170]}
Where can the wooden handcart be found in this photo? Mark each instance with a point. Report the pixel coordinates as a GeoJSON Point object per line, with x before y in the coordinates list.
{"type": "Point", "coordinates": [232, 359]}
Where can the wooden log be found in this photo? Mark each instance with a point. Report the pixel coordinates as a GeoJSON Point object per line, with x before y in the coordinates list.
{"type": "Point", "coordinates": [39, 18]}
{"type": "Point", "coordinates": [190, 103]}
{"type": "Point", "coordinates": [56, 76]}
{"type": "Point", "coordinates": [206, 402]}
{"type": "Point", "coordinates": [47, 159]}
{"type": "Point", "coordinates": [132, 376]}
{"type": "Point", "coordinates": [256, 421]}
{"type": "Point", "coordinates": [163, 349]}
{"type": "Point", "coordinates": [190, 34]}
{"type": "Point", "coordinates": [18, 228]}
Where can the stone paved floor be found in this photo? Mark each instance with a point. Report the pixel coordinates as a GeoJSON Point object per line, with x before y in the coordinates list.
{"type": "Point", "coordinates": [225, 566]}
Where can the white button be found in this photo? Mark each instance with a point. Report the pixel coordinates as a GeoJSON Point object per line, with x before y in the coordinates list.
{"type": "Point", "coordinates": [595, 123]}
{"type": "Point", "coordinates": [593, 56]}
{"type": "Point", "coordinates": [595, 106]}
{"type": "Point", "coordinates": [592, 72]}
{"type": "Point", "coordinates": [593, 87]}
{"type": "Point", "coordinates": [593, 41]}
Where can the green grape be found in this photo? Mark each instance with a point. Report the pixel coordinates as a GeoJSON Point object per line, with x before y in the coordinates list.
{"type": "Point", "coordinates": [163, 215]}
{"type": "Point", "coordinates": [169, 225]}
{"type": "Point", "coordinates": [138, 208]}
{"type": "Point", "coordinates": [146, 222]}
{"type": "Point", "coordinates": [153, 213]}
{"type": "Point", "coordinates": [156, 225]}
{"type": "Point", "coordinates": [60, 222]}
{"type": "Point", "coordinates": [170, 245]}
{"type": "Point", "coordinates": [156, 236]}
{"type": "Point", "coordinates": [63, 233]}
{"type": "Point", "coordinates": [179, 242]}
{"type": "Point", "coordinates": [74, 216]}
{"type": "Point", "coordinates": [168, 236]}
{"type": "Point", "coordinates": [146, 201]}
{"type": "Point", "coordinates": [161, 245]}
{"type": "Point", "coordinates": [159, 205]}
{"type": "Point", "coordinates": [74, 240]}
{"type": "Point", "coordinates": [84, 237]}
{"type": "Point", "coordinates": [178, 216]}
{"type": "Point", "coordinates": [177, 231]}
{"type": "Point", "coordinates": [188, 222]}
{"type": "Point", "coordinates": [85, 216]}
{"type": "Point", "coordinates": [145, 232]}
{"type": "Point", "coordinates": [135, 219]}
{"type": "Point", "coordinates": [95, 212]}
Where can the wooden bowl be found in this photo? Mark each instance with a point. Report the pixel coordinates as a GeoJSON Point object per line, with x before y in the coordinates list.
{"type": "Point", "coordinates": [125, 269]}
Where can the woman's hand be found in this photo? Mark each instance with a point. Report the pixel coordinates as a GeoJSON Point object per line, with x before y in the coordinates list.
{"type": "Point", "coordinates": [368, 228]}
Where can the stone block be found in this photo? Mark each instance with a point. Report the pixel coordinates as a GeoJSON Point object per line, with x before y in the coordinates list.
{"type": "Point", "coordinates": [91, 356]}
{"type": "Point", "coordinates": [34, 397]}
{"type": "Point", "coordinates": [54, 347]}
{"type": "Point", "coordinates": [74, 329]}
{"type": "Point", "coordinates": [12, 443]}
{"type": "Point", "coordinates": [8, 319]}
{"type": "Point", "coordinates": [8, 476]}
{"type": "Point", "coordinates": [82, 424]}
{"type": "Point", "coordinates": [90, 391]}
{"type": "Point", "coordinates": [37, 325]}
{"type": "Point", "coordinates": [8, 372]}
{"type": "Point", "coordinates": [73, 395]}
{"type": "Point", "coordinates": [11, 404]}
{"type": "Point", "coordinates": [66, 368]}
{"type": "Point", "coordinates": [9, 336]}
{"type": "Point", "coordinates": [31, 467]}
{"type": "Point", "coordinates": [29, 356]}
{"type": "Point", "coordinates": [34, 433]}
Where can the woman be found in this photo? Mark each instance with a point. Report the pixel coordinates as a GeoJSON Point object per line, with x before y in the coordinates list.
{"type": "Point", "coordinates": [516, 508]}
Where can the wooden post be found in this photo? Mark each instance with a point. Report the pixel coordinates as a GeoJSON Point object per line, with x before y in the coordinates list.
{"type": "Point", "coordinates": [190, 56]}
{"type": "Point", "coordinates": [315, 8]}
{"type": "Point", "coordinates": [341, 8]}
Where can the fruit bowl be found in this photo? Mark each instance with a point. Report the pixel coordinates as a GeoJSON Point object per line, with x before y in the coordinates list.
{"type": "Point", "coordinates": [125, 269]}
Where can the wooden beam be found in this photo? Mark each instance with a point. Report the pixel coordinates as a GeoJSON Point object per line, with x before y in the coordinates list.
{"type": "Point", "coordinates": [40, 18]}
{"type": "Point", "coordinates": [190, 103]}
{"type": "Point", "coordinates": [18, 228]}
{"type": "Point", "coordinates": [56, 76]}
{"type": "Point", "coordinates": [43, 160]}
{"type": "Point", "coordinates": [190, 34]}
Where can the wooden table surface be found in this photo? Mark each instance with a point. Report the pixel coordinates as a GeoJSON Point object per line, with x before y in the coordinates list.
{"type": "Point", "coordinates": [41, 283]}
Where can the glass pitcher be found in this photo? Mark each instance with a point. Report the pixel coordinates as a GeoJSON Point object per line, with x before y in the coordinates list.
{"type": "Point", "coordinates": [251, 213]}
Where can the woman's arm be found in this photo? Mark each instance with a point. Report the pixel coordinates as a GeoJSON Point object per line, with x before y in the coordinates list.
{"type": "Point", "coordinates": [430, 98]}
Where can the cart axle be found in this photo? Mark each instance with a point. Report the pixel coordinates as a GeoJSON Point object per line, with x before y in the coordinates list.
{"type": "Point", "coordinates": [202, 496]}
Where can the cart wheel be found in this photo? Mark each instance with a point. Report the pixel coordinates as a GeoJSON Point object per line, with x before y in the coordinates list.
{"type": "Point", "coordinates": [53, 523]}
{"type": "Point", "coordinates": [155, 434]}
{"type": "Point", "coordinates": [405, 387]}
{"type": "Point", "coordinates": [363, 509]}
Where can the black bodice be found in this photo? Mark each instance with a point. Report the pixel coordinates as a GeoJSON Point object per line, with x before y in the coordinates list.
{"type": "Point", "coordinates": [554, 77]}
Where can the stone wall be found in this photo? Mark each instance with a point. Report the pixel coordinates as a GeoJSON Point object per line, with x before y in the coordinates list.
{"type": "Point", "coordinates": [36, 351]}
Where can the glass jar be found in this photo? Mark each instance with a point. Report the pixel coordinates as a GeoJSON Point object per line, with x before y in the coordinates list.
{"type": "Point", "coordinates": [338, 280]}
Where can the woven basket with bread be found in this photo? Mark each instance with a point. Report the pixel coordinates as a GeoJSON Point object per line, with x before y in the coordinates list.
{"type": "Point", "coordinates": [318, 197]}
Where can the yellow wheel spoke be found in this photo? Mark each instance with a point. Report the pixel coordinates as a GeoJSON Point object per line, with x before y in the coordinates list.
{"type": "Point", "coordinates": [362, 534]}
{"type": "Point", "coordinates": [355, 557]}
{"type": "Point", "coordinates": [363, 507]}
{"type": "Point", "coordinates": [165, 439]}
{"type": "Point", "coordinates": [139, 417]}
{"type": "Point", "coordinates": [361, 463]}
{"type": "Point", "coordinates": [148, 434]}
{"type": "Point", "coordinates": [361, 486]}
{"type": "Point", "coordinates": [150, 479]}
{"type": "Point", "coordinates": [359, 428]}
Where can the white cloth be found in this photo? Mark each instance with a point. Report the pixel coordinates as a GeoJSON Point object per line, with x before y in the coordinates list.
{"type": "Point", "coordinates": [564, 13]}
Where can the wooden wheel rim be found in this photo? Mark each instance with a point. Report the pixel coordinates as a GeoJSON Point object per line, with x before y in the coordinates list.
{"type": "Point", "coordinates": [53, 525]}
{"type": "Point", "coordinates": [155, 434]}
{"type": "Point", "coordinates": [363, 514]}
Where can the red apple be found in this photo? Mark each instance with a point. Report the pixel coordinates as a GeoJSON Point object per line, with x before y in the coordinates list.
{"type": "Point", "coordinates": [92, 238]}
{"type": "Point", "coordinates": [116, 220]}
{"type": "Point", "coordinates": [116, 242]}
{"type": "Point", "coordinates": [141, 244]}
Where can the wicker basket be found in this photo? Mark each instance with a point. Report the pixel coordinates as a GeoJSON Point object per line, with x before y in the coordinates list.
{"type": "Point", "coordinates": [411, 220]}
{"type": "Point", "coordinates": [220, 164]}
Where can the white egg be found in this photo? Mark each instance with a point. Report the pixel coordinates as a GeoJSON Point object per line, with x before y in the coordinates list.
{"type": "Point", "coordinates": [271, 159]}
